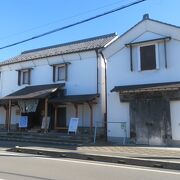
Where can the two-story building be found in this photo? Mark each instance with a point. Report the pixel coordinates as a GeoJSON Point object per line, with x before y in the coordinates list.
{"type": "Point", "coordinates": [143, 84]}
{"type": "Point", "coordinates": [134, 78]}
{"type": "Point", "coordinates": [57, 82]}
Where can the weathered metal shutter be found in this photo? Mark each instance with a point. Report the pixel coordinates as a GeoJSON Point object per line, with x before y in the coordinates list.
{"type": "Point", "coordinates": [66, 72]}
{"type": "Point", "coordinates": [148, 57]}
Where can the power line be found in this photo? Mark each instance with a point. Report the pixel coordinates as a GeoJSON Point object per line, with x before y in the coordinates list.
{"type": "Point", "coordinates": [74, 24]}
{"type": "Point", "coordinates": [60, 20]}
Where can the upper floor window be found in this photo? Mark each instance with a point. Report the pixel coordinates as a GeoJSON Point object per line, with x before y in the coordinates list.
{"type": "Point", "coordinates": [149, 53]}
{"type": "Point", "coordinates": [24, 76]}
{"type": "Point", "coordinates": [60, 72]}
{"type": "Point", "coordinates": [148, 57]}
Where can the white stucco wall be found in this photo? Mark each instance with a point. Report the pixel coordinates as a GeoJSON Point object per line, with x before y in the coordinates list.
{"type": "Point", "coordinates": [116, 116]}
{"type": "Point", "coordinates": [82, 73]}
{"type": "Point", "coordinates": [175, 119]}
{"type": "Point", "coordinates": [81, 80]}
{"type": "Point", "coordinates": [83, 114]}
{"type": "Point", "coordinates": [118, 62]}
{"type": "Point", "coordinates": [14, 117]}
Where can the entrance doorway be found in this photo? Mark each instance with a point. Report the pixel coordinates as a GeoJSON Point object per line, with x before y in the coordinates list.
{"type": "Point", "coordinates": [150, 121]}
{"type": "Point", "coordinates": [35, 118]}
{"type": "Point", "coordinates": [61, 118]}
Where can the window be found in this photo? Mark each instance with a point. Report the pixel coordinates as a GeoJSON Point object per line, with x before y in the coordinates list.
{"type": "Point", "coordinates": [24, 76]}
{"type": "Point", "coordinates": [148, 59]}
{"type": "Point", "coordinates": [60, 72]}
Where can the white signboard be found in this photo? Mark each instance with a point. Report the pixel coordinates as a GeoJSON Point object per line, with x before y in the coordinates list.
{"type": "Point", "coordinates": [23, 122]}
{"type": "Point", "coordinates": [73, 125]}
{"type": "Point", "coordinates": [45, 124]}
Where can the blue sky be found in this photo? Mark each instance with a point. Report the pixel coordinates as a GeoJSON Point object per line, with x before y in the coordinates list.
{"type": "Point", "coordinates": [22, 19]}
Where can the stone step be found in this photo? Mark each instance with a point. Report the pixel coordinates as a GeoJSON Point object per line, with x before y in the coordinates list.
{"type": "Point", "coordinates": [44, 139]}
{"type": "Point", "coordinates": [57, 136]}
{"type": "Point", "coordinates": [25, 140]}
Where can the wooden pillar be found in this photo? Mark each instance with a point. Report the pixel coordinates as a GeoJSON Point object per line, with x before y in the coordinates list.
{"type": "Point", "coordinates": [76, 110]}
{"type": "Point", "coordinates": [9, 116]}
{"type": "Point", "coordinates": [46, 114]}
{"type": "Point", "coordinates": [91, 116]}
{"type": "Point", "coordinates": [55, 117]}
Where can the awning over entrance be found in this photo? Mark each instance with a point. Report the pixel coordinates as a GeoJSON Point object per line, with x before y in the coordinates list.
{"type": "Point", "coordinates": [155, 87]}
{"type": "Point", "coordinates": [34, 92]}
{"type": "Point", "coordinates": [74, 98]}
{"type": "Point", "coordinates": [27, 100]}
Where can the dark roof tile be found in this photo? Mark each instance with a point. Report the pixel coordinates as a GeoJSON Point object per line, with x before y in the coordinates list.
{"type": "Point", "coordinates": [74, 98]}
{"type": "Point", "coordinates": [66, 48]}
{"type": "Point", "coordinates": [34, 92]}
{"type": "Point", "coordinates": [147, 87]}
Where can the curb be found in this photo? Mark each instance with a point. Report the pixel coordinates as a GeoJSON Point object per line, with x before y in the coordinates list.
{"type": "Point", "coordinates": [102, 158]}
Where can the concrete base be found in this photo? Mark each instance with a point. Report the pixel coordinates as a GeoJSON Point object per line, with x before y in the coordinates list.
{"type": "Point", "coordinates": [119, 140]}
{"type": "Point", "coordinates": [175, 143]}
{"type": "Point", "coordinates": [86, 130]}
{"type": "Point", "coordinates": [128, 141]}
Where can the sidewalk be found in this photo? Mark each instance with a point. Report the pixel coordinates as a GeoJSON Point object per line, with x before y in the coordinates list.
{"type": "Point", "coordinates": [160, 157]}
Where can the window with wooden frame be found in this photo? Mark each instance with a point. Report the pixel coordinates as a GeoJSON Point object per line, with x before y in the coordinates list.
{"type": "Point", "coordinates": [24, 76]}
{"type": "Point", "coordinates": [60, 72]}
{"type": "Point", "coordinates": [148, 57]}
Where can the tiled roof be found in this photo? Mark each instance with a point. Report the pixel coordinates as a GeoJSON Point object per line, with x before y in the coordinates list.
{"type": "Point", "coordinates": [34, 92]}
{"type": "Point", "coordinates": [74, 98]}
{"type": "Point", "coordinates": [60, 49]}
{"type": "Point", "coordinates": [147, 87]}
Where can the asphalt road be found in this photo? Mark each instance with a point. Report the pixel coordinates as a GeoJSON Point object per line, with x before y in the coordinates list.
{"type": "Point", "coordinates": [24, 166]}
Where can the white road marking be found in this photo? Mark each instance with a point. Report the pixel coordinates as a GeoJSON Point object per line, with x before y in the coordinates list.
{"type": "Point", "coordinates": [166, 171]}
{"type": "Point", "coordinates": [112, 165]}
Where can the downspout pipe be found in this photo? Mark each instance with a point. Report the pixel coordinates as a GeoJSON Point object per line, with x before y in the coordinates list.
{"type": "Point", "coordinates": [105, 116]}
{"type": "Point", "coordinates": [97, 71]}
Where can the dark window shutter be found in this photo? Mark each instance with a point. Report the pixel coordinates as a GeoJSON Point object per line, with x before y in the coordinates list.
{"type": "Point", "coordinates": [66, 72]}
{"type": "Point", "coordinates": [148, 57]}
{"type": "Point", "coordinates": [29, 76]}
{"type": "Point", "coordinates": [54, 73]}
{"type": "Point", "coordinates": [19, 78]}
